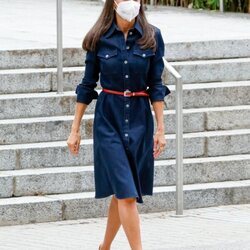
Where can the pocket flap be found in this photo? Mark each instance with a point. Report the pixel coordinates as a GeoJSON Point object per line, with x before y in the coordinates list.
{"type": "Point", "coordinates": [105, 53]}
{"type": "Point", "coordinates": [144, 53]}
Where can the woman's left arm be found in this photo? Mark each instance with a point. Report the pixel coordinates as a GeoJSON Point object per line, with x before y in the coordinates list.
{"type": "Point", "coordinates": [157, 92]}
{"type": "Point", "coordinates": [159, 136]}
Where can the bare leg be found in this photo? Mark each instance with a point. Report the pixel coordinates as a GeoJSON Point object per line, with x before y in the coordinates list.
{"type": "Point", "coordinates": [130, 220]}
{"type": "Point", "coordinates": [113, 224]}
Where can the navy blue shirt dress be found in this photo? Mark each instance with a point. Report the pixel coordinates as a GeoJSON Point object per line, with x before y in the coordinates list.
{"type": "Point", "coordinates": [123, 126]}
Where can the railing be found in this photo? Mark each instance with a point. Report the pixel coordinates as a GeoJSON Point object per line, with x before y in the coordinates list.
{"type": "Point", "coordinates": [221, 6]}
{"type": "Point", "coordinates": [178, 137]}
{"type": "Point", "coordinates": [59, 47]}
{"type": "Point", "coordinates": [178, 108]}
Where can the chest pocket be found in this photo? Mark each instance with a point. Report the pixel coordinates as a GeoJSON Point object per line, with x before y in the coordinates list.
{"type": "Point", "coordinates": [108, 59]}
{"type": "Point", "coordinates": [142, 59]}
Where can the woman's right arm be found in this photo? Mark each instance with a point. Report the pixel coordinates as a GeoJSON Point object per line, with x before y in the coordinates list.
{"type": "Point", "coordinates": [85, 94]}
{"type": "Point", "coordinates": [79, 112]}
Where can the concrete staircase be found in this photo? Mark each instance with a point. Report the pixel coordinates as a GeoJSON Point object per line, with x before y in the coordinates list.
{"type": "Point", "coordinates": [41, 181]}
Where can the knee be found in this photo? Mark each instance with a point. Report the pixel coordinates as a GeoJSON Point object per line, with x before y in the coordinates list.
{"type": "Point", "coordinates": [126, 201]}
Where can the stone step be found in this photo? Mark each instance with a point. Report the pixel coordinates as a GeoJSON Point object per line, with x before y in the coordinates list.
{"type": "Point", "coordinates": [199, 71]}
{"type": "Point", "coordinates": [200, 95]}
{"type": "Point", "coordinates": [235, 69]}
{"type": "Point", "coordinates": [35, 80]}
{"type": "Point", "coordinates": [214, 94]}
{"type": "Point", "coordinates": [57, 207]}
{"type": "Point", "coordinates": [177, 51]}
{"type": "Point", "coordinates": [81, 178]}
{"type": "Point", "coordinates": [57, 154]}
{"type": "Point", "coordinates": [56, 128]}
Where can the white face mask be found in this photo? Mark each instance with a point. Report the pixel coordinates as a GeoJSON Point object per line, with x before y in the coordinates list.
{"type": "Point", "coordinates": [128, 10]}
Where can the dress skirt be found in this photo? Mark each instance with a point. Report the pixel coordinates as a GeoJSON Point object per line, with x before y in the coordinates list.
{"type": "Point", "coordinates": [123, 146]}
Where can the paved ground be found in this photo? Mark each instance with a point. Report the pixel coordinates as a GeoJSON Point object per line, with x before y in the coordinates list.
{"type": "Point", "coordinates": [32, 23]}
{"type": "Point", "coordinates": [220, 228]}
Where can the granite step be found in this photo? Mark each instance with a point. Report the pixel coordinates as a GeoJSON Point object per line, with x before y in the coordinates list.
{"type": "Point", "coordinates": [73, 179]}
{"type": "Point", "coordinates": [201, 95]}
{"type": "Point", "coordinates": [57, 207]}
{"type": "Point", "coordinates": [57, 128]}
{"type": "Point", "coordinates": [28, 80]}
{"type": "Point", "coordinates": [174, 51]}
{"type": "Point", "coordinates": [234, 69]}
{"type": "Point", "coordinates": [57, 154]}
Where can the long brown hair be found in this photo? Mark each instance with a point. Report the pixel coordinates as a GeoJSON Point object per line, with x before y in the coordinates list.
{"type": "Point", "coordinates": [104, 22]}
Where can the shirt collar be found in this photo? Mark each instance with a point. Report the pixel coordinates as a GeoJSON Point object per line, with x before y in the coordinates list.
{"type": "Point", "coordinates": [114, 27]}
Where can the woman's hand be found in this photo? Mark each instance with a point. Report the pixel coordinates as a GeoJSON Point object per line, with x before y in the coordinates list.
{"type": "Point", "coordinates": [159, 136]}
{"type": "Point", "coordinates": [73, 142]}
{"type": "Point", "coordinates": [159, 143]}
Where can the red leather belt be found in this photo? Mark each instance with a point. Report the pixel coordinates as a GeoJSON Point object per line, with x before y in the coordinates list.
{"type": "Point", "coordinates": [126, 93]}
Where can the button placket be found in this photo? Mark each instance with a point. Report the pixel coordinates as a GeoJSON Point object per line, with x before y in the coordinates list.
{"type": "Point", "coordinates": [126, 126]}
{"type": "Point", "coordinates": [126, 86]}
{"type": "Point", "coordinates": [126, 119]}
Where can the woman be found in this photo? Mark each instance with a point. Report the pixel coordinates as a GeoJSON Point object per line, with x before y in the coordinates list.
{"type": "Point", "coordinates": [127, 51]}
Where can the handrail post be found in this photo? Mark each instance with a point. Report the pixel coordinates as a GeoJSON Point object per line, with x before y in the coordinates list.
{"type": "Point", "coordinates": [221, 6]}
{"type": "Point", "coordinates": [178, 138]}
{"type": "Point", "coordinates": [179, 147]}
{"type": "Point", "coordinates": [59, 48]}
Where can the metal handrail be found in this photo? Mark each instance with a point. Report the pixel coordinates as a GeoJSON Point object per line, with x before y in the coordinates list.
{"type": "Point", "coordinates": [179, 137]}
{"type": "Point", "coordinates": [59, 47]}
{"type": "Point", "coordinates": [221, 6]}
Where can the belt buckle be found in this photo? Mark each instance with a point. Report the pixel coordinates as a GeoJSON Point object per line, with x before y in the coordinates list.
{"type": "Point", "coordinates": [126, 92]}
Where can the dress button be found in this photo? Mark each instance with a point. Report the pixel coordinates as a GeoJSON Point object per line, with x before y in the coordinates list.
{"type": "Point", "coordinates": [126, 134]}
{"type": "Point", "coordinates": [126, 76]}
{"type": "Point", "coordinates": [130, 33]}
{"type": "Point", "coordinates": [107, 56]}
{"type": "Point", "coordinates": [127, 47]}
{"type": "Point", "coordinates": [143, 55]}
{"type": "Point", "coordinates": [126, 120]}
{"type": "Point", "coordinates": [125, 61]}
{"type": "Point", "coordinates": [127, 105]}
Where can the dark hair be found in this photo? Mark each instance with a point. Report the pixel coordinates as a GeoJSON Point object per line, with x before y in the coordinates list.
{"type": "Point", "coordinates": [104, 22]}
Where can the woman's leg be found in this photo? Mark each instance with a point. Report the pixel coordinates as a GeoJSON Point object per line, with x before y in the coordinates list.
{"type": "Point", "coordinates": [113, 224]}
{"type": "Point", "coordinates": [130, 221]}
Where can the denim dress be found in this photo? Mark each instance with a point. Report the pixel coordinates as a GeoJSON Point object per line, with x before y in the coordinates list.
{"type": "Point", "coordinates": [123, 127]}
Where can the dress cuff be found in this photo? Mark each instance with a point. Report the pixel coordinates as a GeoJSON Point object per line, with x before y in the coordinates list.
{"type": "Point", "coordinates": [85, 95]}
{"type": "Point", "coordinates": [158, 93]}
